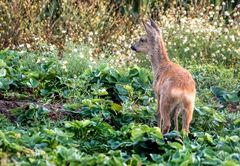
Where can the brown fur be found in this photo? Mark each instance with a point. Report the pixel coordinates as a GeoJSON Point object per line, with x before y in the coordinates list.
{"type": "Point", "coordinates": [173, 85]}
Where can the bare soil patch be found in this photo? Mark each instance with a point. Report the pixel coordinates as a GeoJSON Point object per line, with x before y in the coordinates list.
{"type": "Point", "coordinates": [56, 110]}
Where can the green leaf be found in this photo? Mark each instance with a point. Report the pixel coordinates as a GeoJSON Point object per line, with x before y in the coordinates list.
{"type": "Point", "coordinates": [157, 158]}
{"type": "Point", "coordinates": [233, 98]}
{"type": "Point", "coordinates": [230, 163]}
{"type": "Point", "coordinates": [143, 76]}
{"type": "Point", "coordinates": [116, 161]}
{"type": "Point", "coordinates": [16, 147]}
{"type": "Point", "coordinates": [175, 145]}
{"type": "Point", "coordinates": [188, 159]}
{"type": "Point", "coordinates": [44, 92]}
{"type": "Point", "coordinates": [209, 138]}
{"type": "Point", "coordinates": [78, 124]}
{"type": "Point", "coordinates": [2, 63]}
{"type": "Point", "coordinates": [133, 72]}
{"type": "Point", "coordinates": [69, 154]}
{"type": "Point", "coordinates": [73, 106]}
{"type": "Point", "coordinates": [137, 131]}
{"type": "Point", "coordinates": [32, 83]}
{"type": "Point", "coordinates": [218, 117]}
{"type": "Point", "coordinates": [116, 107]}
{"type": "Point", "coordinates": [3, 72]}
{"type": "Point", "coordinates": [219, 92]}
{"type": "Point", "coordinates": [33, 74]}
{"type": "Point", "coordinates": [224, 96]}
{"type": "Point", "coordinates": [114, 74]}
{"type": "Point", "coordinates": [129, 89]}
{"type": "Point", "coordinates": [4, 51]}
{"type": "Point", "coordinates": [173, 136]}
{"type": "Point", "coordinates": [102, 92]}
{"type": "Point", "coordinates": [4, 83]}
{"type": "Point", "coordinates": [121, 90]}
{"type": "Point", "coordinates": [235, 138]}
{"type": "Point", "coordinates": [87, 102]}
{"type": "Point", "coordinates": [237, 121]}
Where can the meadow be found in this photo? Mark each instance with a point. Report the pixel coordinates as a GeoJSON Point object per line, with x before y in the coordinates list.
{"type": "Point", "coordinates": [73, 93]}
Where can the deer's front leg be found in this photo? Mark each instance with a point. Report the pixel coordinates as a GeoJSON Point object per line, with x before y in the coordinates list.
{"type": "Point", "coordinates": [159, 116]}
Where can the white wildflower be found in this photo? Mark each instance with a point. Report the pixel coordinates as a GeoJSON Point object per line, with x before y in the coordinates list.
{"type": "Point", "coordinates": [226, 13]}
{"type": "Point", "coordinates": [90, 33]}
{"type": "Point", "coordinates": [232, 37]}
{"type": "Point", "coordinates": [21, 45]}
{"type": "Point", "coordinates": [185, 40]}
{"type": "Point", "coordinates": [186, 49]}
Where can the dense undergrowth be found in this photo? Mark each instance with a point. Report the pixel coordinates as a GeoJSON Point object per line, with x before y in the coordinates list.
{"type": "Point", "coordinates": [107, 115]}
{"type": "Point", "coordinates": [73, 93]}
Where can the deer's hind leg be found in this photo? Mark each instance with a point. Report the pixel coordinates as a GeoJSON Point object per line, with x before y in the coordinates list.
{"type": "Point", "coordinates": [187, 116]}
{"type": "Point", "coordinates": [176, 113]}
{"type": "Point", "coordinates": [165, 108]}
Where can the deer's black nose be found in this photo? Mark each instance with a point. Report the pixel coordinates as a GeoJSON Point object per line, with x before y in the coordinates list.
{"type": "Point", "coordinates": [133, 48]}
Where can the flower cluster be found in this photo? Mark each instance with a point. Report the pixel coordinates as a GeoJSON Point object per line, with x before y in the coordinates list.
{"type": "Point", "coordinates": [205, 35]}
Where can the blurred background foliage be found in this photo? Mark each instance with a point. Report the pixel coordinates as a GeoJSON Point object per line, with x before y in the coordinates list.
{"type": "Point", "coordinates": [74, 56]}
{"type": "Point", "coordinates": [110, 26]}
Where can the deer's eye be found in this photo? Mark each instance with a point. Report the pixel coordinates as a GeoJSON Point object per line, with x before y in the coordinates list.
{"type": "Point", "coordinates": [142, 40]}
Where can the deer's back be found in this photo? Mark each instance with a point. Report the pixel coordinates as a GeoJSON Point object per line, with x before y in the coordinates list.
{"type": "Point", "coordinates": [174, 80]}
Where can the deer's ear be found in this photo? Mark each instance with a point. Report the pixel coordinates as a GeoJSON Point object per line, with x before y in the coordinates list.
{"type": "Point", "coordinates": [148, 27]}
{"type": "Point", "coordinates": [155, 26]}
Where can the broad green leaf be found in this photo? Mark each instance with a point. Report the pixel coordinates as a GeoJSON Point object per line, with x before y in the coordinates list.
{"type": "Point", "coordinates": [137, 131]}
{"type": "Point", "coordinates": [237, 121]}
{"type": "Point", "coordinates": [230, 163]}
{"type": "Point", "coordinates": [209, 138]}
{"type": "Point", "coordinates": [233, 98]}
{"type": "Point", "coordinates": [16, 147]}
{"type": "Point", "coordinates": [123, 98]}
{"type": "Point", "coordinates": [3, 72]}
{"type": "Point", "coordinates": [5, 82]}
{"type": "Point", "coordinates": [32, 83]}
{"type": "Point", "coordinates": [4, 50]}
{"type": "Point", "coordinates": [175, 145]}
{"type": "Point", "coordinates": [102, 92]}
{"type": "Point", "coordinates": [87, 102]}
{"type": "Point", "coordinates": [33, 74]}
{"type": "Point", "coordinates": [116, 161]}
{"type": "Point", "coordinates": [219, 92]}
{"type": "Point", "coordinates": [173, 136]}
{"type": "Point", "coordinates": [218, 117]}
{"type": "Point", "coordinates": [73, 106]}
{"type": "Point", "coordinates": [32, 160]}
{"type": "Point", "coordinates": [133, 72]}
{"type": "Point", "coordinates": [129, 89]}
{"type": "Point", "coordinates": [44, 92]}
{"type": "Point", "coordinates": [143, 75]}
{"type": "Point", "coordinates": [85, 123]}
{"type": "Point", "coordinates": [116, 107]}
{"type": "Point", "coordinates": [157, 158]}
{"type": "Point", "coordinates": [121, 90]}
{"type": "Point", "coordinates": [114, 74]}
{"type": "Point", "coordinates": [97, 100]}
{"type": "Point", "coordinates": [189, 160]}
{"type": "Point", "coordinates": [235, 138]}
{"type": "Point", "coordinates": [2, 63]}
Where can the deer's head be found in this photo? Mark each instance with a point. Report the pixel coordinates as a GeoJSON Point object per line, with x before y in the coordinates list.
{"type": "Point", "coordinates": [148, 42]}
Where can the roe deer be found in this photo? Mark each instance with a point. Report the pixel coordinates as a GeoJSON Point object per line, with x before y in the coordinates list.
{"type": "Point", "coordinates": [173, 85]}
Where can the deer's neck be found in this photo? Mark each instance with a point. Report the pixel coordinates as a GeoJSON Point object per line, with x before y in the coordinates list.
{"type": "Point", "coordinates": [159, 56]}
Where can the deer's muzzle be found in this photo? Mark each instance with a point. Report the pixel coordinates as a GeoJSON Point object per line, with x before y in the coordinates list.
{"type": "Point", "coordinates": [133, 48]}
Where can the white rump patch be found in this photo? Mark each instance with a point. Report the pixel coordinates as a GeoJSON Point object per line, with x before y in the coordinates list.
{"type": "Point", "coordinates": [183, 95]}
